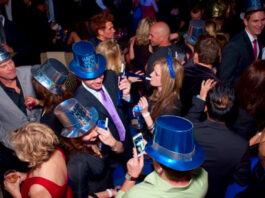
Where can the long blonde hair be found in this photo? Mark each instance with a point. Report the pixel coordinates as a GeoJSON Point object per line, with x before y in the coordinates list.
{"type": "Point", "coordinates": [143, 29]}
{"type": "Point", "coordinates": [110, 49]}
{"type": "Point", "coordinates": [170, 93]}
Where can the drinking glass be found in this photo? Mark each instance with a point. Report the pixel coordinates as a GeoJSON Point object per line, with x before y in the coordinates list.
{"type": "Point", "coordinates": [11, 176]}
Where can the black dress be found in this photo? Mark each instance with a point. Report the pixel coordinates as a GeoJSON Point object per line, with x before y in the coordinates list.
{"type": "Point", "coordinates": [141, 55]}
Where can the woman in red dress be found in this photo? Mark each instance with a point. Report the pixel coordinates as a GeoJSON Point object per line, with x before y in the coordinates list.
{"type": "Point", "coordinates": [36, 144]}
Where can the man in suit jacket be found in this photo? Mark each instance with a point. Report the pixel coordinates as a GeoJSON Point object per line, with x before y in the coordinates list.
{"type": "Point", "coordinates": [239, 52]}
{"type": "Point", "coordinates": [94, 80]}
{"type": "Point", "coordinates": [15, 85]}
{"type": "Point", "coordinates": [226, 159]}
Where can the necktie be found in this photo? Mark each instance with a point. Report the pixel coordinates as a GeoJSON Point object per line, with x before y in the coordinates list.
{"type": "Point", "coordinates": [255, 48]}
{"type": "Point", "coordinates": [113, 113]}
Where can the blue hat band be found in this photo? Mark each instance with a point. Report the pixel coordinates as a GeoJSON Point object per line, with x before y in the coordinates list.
{"type": "Point", "coordinates": [174, 155]}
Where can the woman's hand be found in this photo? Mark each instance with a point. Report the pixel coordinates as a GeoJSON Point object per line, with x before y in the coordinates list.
{"type": "Point", "coordinates": [106, 137]}
{"type": "Point", "coordinates": [13, 188]}
{"type": "Point", "coordinates": [31, 102]}
{"type": "Point", "coordinates": [144, 104]}
{"type": "Point", "coordinates": [206, 86]}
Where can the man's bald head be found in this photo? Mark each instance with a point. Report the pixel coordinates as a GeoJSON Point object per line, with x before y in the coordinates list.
{"type": "Point", "coordinates": [159, 34]}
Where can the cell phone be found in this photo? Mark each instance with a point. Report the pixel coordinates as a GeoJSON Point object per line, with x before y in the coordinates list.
{"type": "Point", "coordinates": [138, 142]}
{"type": "Point", "coordinates": [103, 123]}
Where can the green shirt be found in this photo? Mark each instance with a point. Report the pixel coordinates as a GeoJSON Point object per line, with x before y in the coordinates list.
{"type": "Point", "coordinates": [155, 186]}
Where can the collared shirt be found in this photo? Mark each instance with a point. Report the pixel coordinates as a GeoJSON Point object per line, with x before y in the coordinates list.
{"type": "Point", "coordinates": [251, 38]}
{"type": "Point", "coordinates": [155, 186]}
{"type": "Point", "coordinates": [98, 95]}
{"type": "Point", "coordinates": [17, 98]}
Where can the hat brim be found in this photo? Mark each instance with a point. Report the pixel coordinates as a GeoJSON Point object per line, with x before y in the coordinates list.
{"type": "Point", "coordinates": [73, 132]}
{"type": "Point", "coordinates": [190, 40]}
{"type": "Point", "coordinates": [77, 70]}
{"type": "Point", "coordinates": [35, 72]}
{"type": "Point", "coordinates": [180, 165]}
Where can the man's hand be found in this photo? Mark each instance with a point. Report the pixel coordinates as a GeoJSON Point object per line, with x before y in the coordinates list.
{"type": "Point", "coordinates": [135, 165]}
{"type": "Point", "coordinates": [125, 86]}
{"type": "Point", "coordinates": [206, 86]}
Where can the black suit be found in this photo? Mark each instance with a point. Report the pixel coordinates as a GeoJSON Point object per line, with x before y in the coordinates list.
{"type": "Point", "coordinates": [226, 157]}
{"type": "Point", "coordinates": [87, 99]}
{"type": "Point", "coordinates": [237, 56]}
{"type": "Point", "coordinates": [194, 74]}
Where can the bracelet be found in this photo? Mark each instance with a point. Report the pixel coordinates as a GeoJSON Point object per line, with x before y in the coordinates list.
{"type": "Point", "coordinates": [151, 127]}
{"type": "Point", "coordinates": [109, 192]}
{"type": "Point", "coordinates": [146, 114]}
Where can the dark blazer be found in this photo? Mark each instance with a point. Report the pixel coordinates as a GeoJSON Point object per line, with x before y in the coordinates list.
{"type": "Point", "coordinates": [226, 157]}
{"type": "Point", "coordinates": [194, 74]}
{"type": "Point", "coordinates": [237, 55]}
{"type": "Point", "coordinates": [87, 99]}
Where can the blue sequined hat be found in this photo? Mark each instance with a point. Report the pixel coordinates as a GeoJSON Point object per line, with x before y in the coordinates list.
{"type": "Point", "coordinates": [86, 63]}
{"type": "Point", "coordinates": [52, 75]}
{"type": "Point", "coordinates": [196, 27]}
{"type": "Point", "coordinates": [254, 5]}
{"type": "Point", "coordinates": [4, 55]}
{"type": "Point", "coordinates": [173, 144]}
{"type": "Point", "coordinates": [76, 119]}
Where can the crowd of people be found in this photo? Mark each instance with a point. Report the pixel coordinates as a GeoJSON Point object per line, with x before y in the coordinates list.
{"type": "Point", "coordinates": [187, 76]}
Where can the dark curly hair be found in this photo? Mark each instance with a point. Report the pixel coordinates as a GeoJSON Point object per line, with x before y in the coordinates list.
{"type": "Point", "coordinates": [99, 21]}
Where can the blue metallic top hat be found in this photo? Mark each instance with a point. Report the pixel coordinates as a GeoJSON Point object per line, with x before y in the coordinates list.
{"type": "Point", "coordinates": [52, 75]}
{"type": "Point", "coordinates": [196, 27]}
{"type": "Point", "coordinates": [76, 119]}
{"type": "Point", "coordinates": [173, 144]}
{"type": "Point", "coordinates": [86, 63]}
{"type": "Point", "coordinates": [4, 55]}
{"type": "Point", "coordinates": [254, 5]}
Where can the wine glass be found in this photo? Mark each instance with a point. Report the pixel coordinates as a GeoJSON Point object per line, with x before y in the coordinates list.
{"type": "Point", "coordinates": [30, 104]}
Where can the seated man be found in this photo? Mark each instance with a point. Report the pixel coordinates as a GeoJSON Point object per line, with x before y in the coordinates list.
{"type": "Point", "coordinates": [226, 157]}
{"type": "Point", "coordinates": [177, 159]}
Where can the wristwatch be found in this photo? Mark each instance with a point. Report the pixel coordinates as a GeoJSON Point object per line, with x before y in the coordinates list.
{"type": "Point", "coordinates": [129, 177]}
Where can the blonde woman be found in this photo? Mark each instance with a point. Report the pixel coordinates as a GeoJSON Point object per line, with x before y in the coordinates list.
{"type": "Point", "coordinates": [36, 144]}
{"type": "Point", "coordinates": [140, 49]}
{"type": "Point", "coordinates": [111, 51]}
{"type": "Point", "coordinates": [166, 78]}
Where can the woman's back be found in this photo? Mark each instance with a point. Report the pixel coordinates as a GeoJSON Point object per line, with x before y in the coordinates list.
{"type": "Point", "coordinates": [50, 178]}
